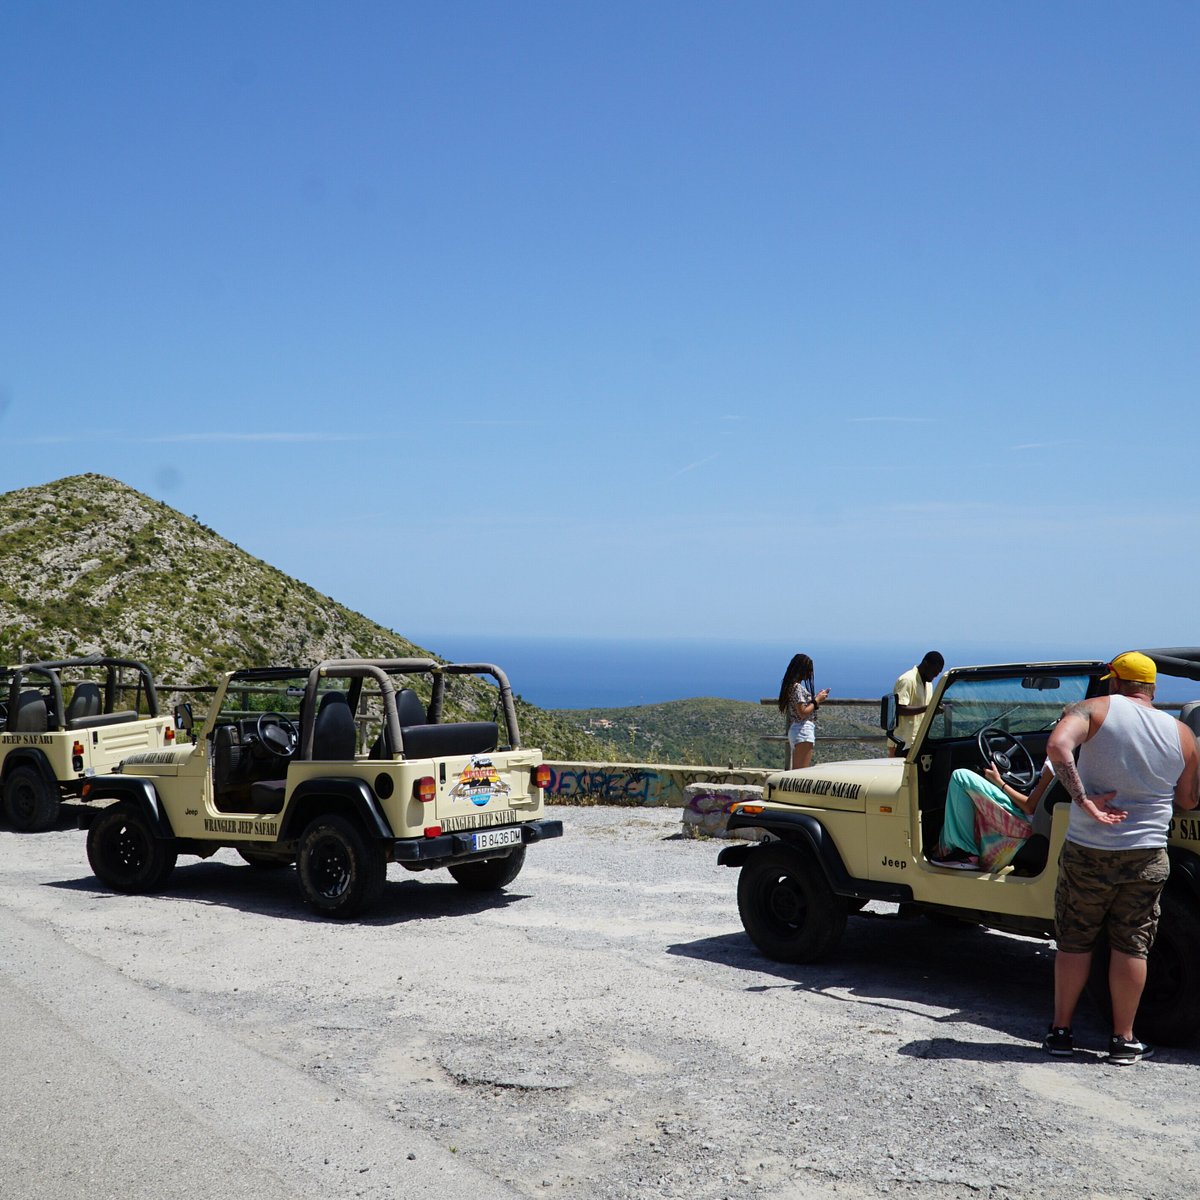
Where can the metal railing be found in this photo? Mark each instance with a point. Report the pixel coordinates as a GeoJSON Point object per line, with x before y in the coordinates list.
{"type": "Point", "coordinates": [855, 702]}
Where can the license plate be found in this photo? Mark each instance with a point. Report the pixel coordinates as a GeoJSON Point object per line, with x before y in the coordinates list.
{"type": "Point", "coordinates": [489, 839]}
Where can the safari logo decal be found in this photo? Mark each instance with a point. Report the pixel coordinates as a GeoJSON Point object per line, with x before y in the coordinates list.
{"type": "Point", "coordinates": [479, 782]}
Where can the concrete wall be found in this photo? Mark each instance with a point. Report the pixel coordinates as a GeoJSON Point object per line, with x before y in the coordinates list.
{"type": "Point", "coordinates": [637, 784]}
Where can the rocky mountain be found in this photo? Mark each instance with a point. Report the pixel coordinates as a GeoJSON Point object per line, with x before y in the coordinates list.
{"type": "Point", "coordinates": [89, 565]}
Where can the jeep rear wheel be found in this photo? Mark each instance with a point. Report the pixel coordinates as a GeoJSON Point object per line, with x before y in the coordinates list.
{"type": "Point", "coordinates": [489, 874]}
{"type": "Point", "coordinates": [1169, 1011]}
{"type": "Point", "coordinates": [341, 873]}
{"type": "Point", "coordinates": [124, 852]}
{"type": "Point", "coordinates": [787, 906]}
{"type": "Point", "coordinates": [30, 804]}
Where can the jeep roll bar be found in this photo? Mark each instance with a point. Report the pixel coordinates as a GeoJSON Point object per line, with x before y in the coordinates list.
{"type": "Point", "coordinates": [50, 671]}
{"type": "Point", "coordinates": [381, 670]}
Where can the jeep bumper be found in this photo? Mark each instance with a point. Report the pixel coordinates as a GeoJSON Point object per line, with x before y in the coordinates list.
{"type": "Point", "coordinates": [448, 846]}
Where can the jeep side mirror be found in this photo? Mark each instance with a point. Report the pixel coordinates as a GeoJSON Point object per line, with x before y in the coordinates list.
{"type": "Point", "coordinates": [887, 712]}
{"type": "Point", "coordinates": [183, 718]}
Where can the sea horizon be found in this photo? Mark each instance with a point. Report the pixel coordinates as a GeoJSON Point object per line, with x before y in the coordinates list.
{"type": "Point", "coordinates": [603, 672]}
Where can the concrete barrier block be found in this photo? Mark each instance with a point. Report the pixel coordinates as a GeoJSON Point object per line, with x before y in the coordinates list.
{"type": "Point", "coordinates": [706, 812]}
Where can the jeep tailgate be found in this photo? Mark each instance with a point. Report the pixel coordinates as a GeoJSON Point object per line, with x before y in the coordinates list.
{"type": "Point", "coordinates": [485, 790]}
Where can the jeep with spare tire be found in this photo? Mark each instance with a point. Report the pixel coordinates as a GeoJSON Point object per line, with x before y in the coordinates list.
{"type": "Point", "coordinates": [842, 834]}
{"type": "Point", "coordinates": [50, 745]}
{"type": "Point", "coordinates": [337, 770]}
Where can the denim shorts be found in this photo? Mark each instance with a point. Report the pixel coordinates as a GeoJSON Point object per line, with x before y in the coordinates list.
{"type": "Point", "coordinates": [801, 731]}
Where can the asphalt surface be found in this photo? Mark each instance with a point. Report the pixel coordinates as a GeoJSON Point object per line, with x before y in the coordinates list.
{"type": "Point", "coordinates": [602, 1029]}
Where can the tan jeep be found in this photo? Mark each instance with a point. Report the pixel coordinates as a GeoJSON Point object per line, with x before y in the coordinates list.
{"type": "Point", "coordinates": [339, 769]}
{"type": "Point", "coordinates": [49, 745]}
{"type": "Point", "coordinates": [842, 834]}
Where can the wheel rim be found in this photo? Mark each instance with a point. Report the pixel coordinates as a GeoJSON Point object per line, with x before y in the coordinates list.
{"type": "Point", "coordinates": [330, 868]}
{"type": "Point", "coordinates": [128, 848]}
{"type": "Point", "coordinates": [784, 904]}
{"type": "Point", "coordinates": [22, 801]}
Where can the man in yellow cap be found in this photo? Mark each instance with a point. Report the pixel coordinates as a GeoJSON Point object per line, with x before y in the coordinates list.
{"type": "Point", "coordinates": [1137, 765]}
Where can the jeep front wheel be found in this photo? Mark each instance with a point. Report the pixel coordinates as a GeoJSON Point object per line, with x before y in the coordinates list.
{"type": "Point", "coordinates": [489, 874]}
{"type": "Point", "coordinates": [787, 906]}
{"type": "Point", "coordinates": [124, 852]}
{"type": "Point", "coordinates": [341, 873]}
{"type": "Point", "coordinates": [30, 804]}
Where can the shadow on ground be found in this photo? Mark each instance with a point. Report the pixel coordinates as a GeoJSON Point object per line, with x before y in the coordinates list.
{"type": "Point", "coordinates": [406, 896]}
{"type": "Point", "coordinates": [951, 975]}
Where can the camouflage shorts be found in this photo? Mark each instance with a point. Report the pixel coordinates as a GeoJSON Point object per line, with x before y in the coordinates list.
{"type": "Point", "coordinates": [1110, 891]}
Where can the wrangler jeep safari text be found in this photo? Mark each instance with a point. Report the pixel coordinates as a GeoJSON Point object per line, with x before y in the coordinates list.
{"type": "Point", "coordinates": [49, 745]}
{"type": "Point", "coordinates": [842, 834]}
{"type": "Point", "coordinates": [302, 789]}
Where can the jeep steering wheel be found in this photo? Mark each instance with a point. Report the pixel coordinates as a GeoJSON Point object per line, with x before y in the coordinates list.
{"type": "Point", "coordinates": [277, 735]}
{"type": "Point", "coordinates": [1008, 756]}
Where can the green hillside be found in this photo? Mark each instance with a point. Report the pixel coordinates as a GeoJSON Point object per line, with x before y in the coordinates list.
{"type": "Point", "coordinates": [89, 565]}
{"type": "Point", "coordinates": [713, 732]}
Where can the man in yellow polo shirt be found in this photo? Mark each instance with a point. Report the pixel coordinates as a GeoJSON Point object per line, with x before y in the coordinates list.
{"type": "Point", "coordinates": [913, 691]}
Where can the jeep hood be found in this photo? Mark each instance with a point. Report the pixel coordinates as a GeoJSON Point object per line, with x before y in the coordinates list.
{"type": "Point", "coordinates": [840, 785]}
{"type": "Point", "coordinates": [165, 761]}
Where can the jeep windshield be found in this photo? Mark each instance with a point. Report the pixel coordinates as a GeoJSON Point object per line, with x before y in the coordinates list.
{"type": "Point", "coordinates": [270, 689]}
{"type": "Point", "coordinates": [1027, 703]}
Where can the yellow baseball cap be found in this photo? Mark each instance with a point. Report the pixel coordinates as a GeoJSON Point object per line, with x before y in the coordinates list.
{"type": "Point", "coordinates": [1132, 667]}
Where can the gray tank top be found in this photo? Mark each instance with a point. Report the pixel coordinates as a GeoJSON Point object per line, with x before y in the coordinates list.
{"type": "Point", "coordinates": [1136, 754]}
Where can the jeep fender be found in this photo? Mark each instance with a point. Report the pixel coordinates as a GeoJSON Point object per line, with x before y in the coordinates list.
{"type": "Point", "coordinates": [30, 757]}
{"type": "Point", "coordinates": [800, 829]}
{"type": "Point", "coordinates": [351, 797]}
{"type": "Point", "coordinates": [138, 792]}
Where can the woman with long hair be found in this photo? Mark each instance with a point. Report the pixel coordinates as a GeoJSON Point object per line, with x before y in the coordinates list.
{"type": "Point", "coordinates": [799, 701]}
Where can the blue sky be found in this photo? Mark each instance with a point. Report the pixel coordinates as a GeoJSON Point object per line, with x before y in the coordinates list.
{"type": "Point", "coordinates": [788, 322]}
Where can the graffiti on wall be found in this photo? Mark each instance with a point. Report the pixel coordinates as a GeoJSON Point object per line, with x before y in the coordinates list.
{"type": "Point", "coordinates": [606, 783]}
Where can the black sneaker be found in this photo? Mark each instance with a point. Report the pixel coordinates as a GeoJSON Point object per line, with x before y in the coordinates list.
{"type": "Point", "coordinates": [1124, 1052]}
{"type": "Point", "coordinates": [1059, 1043]}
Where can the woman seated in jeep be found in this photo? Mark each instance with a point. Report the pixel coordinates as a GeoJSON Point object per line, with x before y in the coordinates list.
{"type": "Point", "coordinates": [987, 821]}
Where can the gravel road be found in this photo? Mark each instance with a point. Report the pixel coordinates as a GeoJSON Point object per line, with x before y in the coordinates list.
{"type": "Point", "coordinates": [603, 1029]}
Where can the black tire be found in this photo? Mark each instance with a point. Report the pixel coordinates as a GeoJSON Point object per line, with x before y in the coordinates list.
{"type": "Point", "coordinates": [125, 853]}
{"type": "Point", "coordinates": [30, 803]}
{"type": "Point", "coordinates": [341, 873]}
{"type": "Point", "coordinates": [787, 906]}
{"type": "Point", "coordinates": [489, 874]}
{"type": "Point", "coordinates": [1169, 1012]}
{"type": "Point", "coordinates": [262, 860]}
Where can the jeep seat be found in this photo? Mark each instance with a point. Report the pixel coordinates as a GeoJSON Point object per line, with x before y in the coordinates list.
{"type": "Point", "coordinates": [1031, 858]}
{"type": "Point", "coordinates": [409, 708]}
{"type": "Point", "coordinates": [1189, 714]}
{"type": "Point", "coordinates": [31, 715]}
{"type": "Point", "coordinates": [266, 795]}
{"type": "Point", "coordinates": [443, 741]}
{"type": "Point", "coordinates": [85, 702]}
{"type": "Point", "coordinates": [335, 735]}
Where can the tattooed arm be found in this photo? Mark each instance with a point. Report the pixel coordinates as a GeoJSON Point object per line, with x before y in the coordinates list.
{"type": "Point", "coordinates": [1078, 724]}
